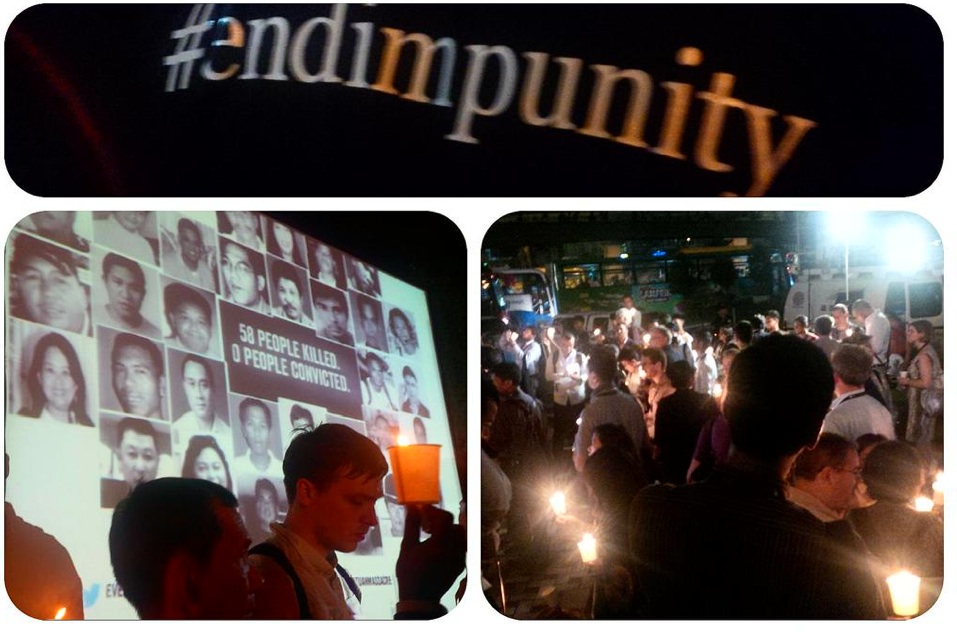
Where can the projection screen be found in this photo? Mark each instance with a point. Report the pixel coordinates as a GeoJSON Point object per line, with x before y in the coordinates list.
{"type": "Point", "coordinates": [150, 344]}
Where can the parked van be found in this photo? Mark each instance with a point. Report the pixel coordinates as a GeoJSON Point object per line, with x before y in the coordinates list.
{"type": "Point", "coordinates": [909, 296]}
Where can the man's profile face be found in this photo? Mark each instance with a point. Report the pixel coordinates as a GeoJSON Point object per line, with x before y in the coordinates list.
{"type": "Point", "coordinates": [844, 482]}
{"type": "Point", "coordinates": [240, 276]}
{"type": "Point", "coordinates": [125, 293]}
{"type": "Point", "coordinates": [52, 223]}
{"type": "Point", "coordinates": [345, 512]}
{"type": "Point", "coordinates": [131, 220]}
{"type": "Point", "coordinates": [51, 296]}
{"type": "Point", "coordinates": [227, 583]}
{"type": "Point", "coordinates": [653, 370]}
{"type": "Point", "coordinates": [191, 326]}
{"type": "Point", "coordinates": [198, 390]}
{"type": "Point", "coordinates": [138, 456]}
{"type": "Point", "coordinates": [190, 245]}
{"type": "Point", "coordinates": [289, 298]}
{"type": "Point", "coordinates": [332, 317]}
{"type": "Point", "coordinates": [137, 381]}
{"type": "Point", "coordinates": [256, 430]}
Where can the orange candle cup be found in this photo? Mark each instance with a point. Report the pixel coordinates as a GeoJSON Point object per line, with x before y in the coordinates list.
{"type": "Point", "coordinates": [415, 471]}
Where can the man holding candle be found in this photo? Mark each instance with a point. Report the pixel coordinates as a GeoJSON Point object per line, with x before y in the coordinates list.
{"type": "Point", "coordinates": [733, 546]}
{"type": "Point", "coordinates": [333, 479]}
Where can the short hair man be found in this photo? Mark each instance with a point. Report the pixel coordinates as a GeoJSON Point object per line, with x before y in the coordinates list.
{"type": "Point", "coordinates": [411, 403]}
{"type": "Point", "coordinates": [734, 541]}
{"type": "Point", "coordinates": [608, 405]}
{"type": "Point", "coordinates": [137, 452]}
{"type": "Point", "coordinates": [189, 316]}
{"type": "Point", "coordinates": [332, 314]}
{"type": "Point", "coordinates": [199, 385]}
{"type": "Point", "coordinates": [47, 287]}
{"type": "Point", "coordinates": [243, 276]}
{"type": "Point", "coordinates": [823, 327]}
{"type": "Point", "coordinates": [876, 325]}
{"type": "Point", "coordinates": [191, 263]}
{"type": "Point", "coordinates": [370, 322]}
{"type": "Point", "coordinates": [125, 285]}
{"type": "Point", "coordinates": [333, 479]}
{"type": "Point", "coordinates": [772, 322]}
{"type": "Point", "coordinates": [289, 292]}
{"type": "Point", "coordinates": [854, 412]}
{"type": "Point", "coordinates": [842, 326]}
{"type": "Point", "coordinates": [178, 550]}
{"type": "Point", "coordinates": [138, 375]}
{"type": "Point", "coordinates": [825, 477]}
{"type": "Point", "coordinates": [255, 420]}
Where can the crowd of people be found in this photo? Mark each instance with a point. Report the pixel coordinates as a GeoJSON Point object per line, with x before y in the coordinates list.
{"type": "Point", "coordinates": [742, 469]}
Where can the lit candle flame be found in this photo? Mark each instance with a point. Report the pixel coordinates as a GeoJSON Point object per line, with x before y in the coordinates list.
{"type": "Point", "coordinates": [905, 593]}
{"type": "Point", "coordinates": [716, 391]}
{"type": "Point", "coordinates": [402, 440]}
{"type": "Point", "coordinates": [588, 548]}
{"type": "Point", "coordinates": [646, 339]}
{"type": "Point", "coordinates": [923, 503]}
{"type": "Point", "coordinates": [558, 503]}
{"type": "Point", "coordinates": [60, 613]}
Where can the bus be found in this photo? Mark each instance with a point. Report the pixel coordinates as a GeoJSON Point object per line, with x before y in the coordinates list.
{"type": "Point", "coordinates": [517, 297]}
{"type": "Point", "coordinates": [678, 279]}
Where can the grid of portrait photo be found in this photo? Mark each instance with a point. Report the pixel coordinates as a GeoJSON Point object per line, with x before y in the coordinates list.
{"type": "Point", "coordinates": [198, 344]}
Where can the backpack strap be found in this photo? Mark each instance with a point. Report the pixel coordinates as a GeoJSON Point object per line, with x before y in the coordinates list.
{"type": "Point", "coordinates": [350, 582]}
{"type": "Point", "coordinates": [270, 550]}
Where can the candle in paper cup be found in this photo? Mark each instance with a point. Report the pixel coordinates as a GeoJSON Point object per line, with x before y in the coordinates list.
{"type": "Point", "coordinates": [588, 548]}
{"type": "Point", "coordinates": [905, 593]}
{"type": "Point", "coordinates": [558, 503]}
{"type": "Point", "coordinates": [415, 470]}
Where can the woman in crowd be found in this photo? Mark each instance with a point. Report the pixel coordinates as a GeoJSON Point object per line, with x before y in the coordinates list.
{"type": "Point", "coordinates": [921, 372]}
{"type": "Point", "coordinates": [55, 383]}
{"type": "Point", "coordinates": [899, 535]}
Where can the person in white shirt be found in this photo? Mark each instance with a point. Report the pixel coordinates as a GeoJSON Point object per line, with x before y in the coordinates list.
{"type": "Point", "coordinates": [202, 417]}
{"type": "Point", "coordinates": [256, 424]}
{"type": "Point", "coordinates": [853, 412]}
{"type": "Point", "coordinates": [876, 325]}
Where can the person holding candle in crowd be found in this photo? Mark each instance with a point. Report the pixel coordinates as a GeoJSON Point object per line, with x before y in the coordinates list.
{"type": "Point", "coordinates": [733, 546]}
{"type": "Point", "coordinates": [38, 572]}
{"type": "Point", "coordinates": [613, 474]}
{"type": "Point", "coordinates": [519, 440]}
{"type": "Point", "coordinates": [608, 404]}
{"type": "Point", "coordinates": [333, 479]}
{"type": "Point", "coordinates": [893, 529]}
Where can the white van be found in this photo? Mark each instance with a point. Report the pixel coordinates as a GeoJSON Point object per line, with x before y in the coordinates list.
{"type": "Point", "coordinates": [910, 296]}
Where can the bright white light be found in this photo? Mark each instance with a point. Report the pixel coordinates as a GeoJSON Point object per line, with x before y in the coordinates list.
{"type": "Point", "coordinates": [623, 255]}
{"type": "Point", "coordinates": [906, 248]}
{"type": "Point", "coordinates": [923, 503]}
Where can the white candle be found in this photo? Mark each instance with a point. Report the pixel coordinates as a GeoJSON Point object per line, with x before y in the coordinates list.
{"type": "Point", "coordinates": [588, 548]}
{"type": "Point", "coordinates": [716, 391]}
{"type": "Point", "coordinates": [558, 503]}
{"type": "Point", "coordinates": [923, 503]}
{"type": "Point", "coordinates": [905, 593]}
